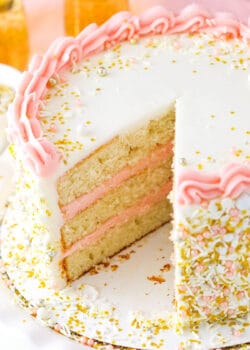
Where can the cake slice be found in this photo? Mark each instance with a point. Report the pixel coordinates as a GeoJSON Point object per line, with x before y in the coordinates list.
{"type": "Point", "coordinates": [119, 191]}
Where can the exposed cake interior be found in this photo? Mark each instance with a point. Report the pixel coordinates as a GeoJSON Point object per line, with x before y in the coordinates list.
{"type": "Point", "coordinates": [116, 195]}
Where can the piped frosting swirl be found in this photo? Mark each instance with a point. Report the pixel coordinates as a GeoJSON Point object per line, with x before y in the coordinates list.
{"type": "Point", "coordinates": [193, 187]}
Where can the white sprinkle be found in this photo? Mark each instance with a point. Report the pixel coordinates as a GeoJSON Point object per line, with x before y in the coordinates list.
{"type": "Point", "coordinates": [183, 161]}
{"type": "Point", "coordinates": [102, 72]}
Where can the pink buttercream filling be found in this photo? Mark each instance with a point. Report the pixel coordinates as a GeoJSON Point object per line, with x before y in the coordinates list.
{"type": "Point", "coordinates": [81, 203]}
{"type": "Point", "coordinates": [139, 209]}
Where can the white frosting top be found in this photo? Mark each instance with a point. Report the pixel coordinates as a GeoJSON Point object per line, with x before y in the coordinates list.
{"type": "Point", "coordinates": [110, 93]}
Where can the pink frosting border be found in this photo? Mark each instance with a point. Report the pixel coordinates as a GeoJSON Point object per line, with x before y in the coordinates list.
{"type": "Point", "coordinates": [24, 126]}
{"type": "Point", "coordinates": [193, 187]}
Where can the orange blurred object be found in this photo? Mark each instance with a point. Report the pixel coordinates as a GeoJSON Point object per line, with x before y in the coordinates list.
{"type": "Point", "coordinates": [80, 13]}
{"type": "Point", "coordinates": [14, 46]}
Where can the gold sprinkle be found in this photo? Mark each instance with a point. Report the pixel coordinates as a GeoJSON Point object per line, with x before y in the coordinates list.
{"type": "Point", "coordinates": [52, 82]}
{"type": "Point", "coordinates": [42, 284]}
{"type": "Point", "coordinates": [11, 149]}
{"type": "Point", "coordinates": [211, 42]}
{"type": "Point", "coordinates": [200, 166]}
{"type": "Point", "coordinates": [233, 128]}
{"type": "Point", "coordinates": [133, 41]}
{"type": "Point", "coordinates": [238, 153]}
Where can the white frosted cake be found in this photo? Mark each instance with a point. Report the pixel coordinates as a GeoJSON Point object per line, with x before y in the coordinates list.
{"type": "Point", "coordinates": [123, 127]}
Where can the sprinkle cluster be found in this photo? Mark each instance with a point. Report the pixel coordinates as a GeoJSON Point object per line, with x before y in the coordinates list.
{"type": "Point", "coordinates": [213, 259]}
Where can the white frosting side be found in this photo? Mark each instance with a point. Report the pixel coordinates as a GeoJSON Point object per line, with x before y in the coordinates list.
{"type": "Point", "coordinates": [9, 77]}
{"type": "Point", "coordinates": [6, 180]}
{"type": "Point", "coordinates": [209, 79]}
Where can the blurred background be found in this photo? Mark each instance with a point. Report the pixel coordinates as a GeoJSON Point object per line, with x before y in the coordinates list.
{"type": "Point", "coordinates": [29, 26]}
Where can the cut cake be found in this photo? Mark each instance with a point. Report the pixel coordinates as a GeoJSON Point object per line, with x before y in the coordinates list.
{"type": "Point", "coordinates": [105, 125]}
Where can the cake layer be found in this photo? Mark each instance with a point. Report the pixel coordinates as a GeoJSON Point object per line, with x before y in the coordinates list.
{"type": "Point", "coordinates": [115, 239]}
{"type": "Point", "coordinates": [157, 156]}
{"type": "Point", "coordinates": [106, 161]}
{"type": "Point", "coordinates": [116, 201]}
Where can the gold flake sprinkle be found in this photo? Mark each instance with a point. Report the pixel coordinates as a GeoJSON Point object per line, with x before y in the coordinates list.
{"type": "Point", "coordinates": [52, 82]}
{"type": "Point", "coordinates": [133, 41]}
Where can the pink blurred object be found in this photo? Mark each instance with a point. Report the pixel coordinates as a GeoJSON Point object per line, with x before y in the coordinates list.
{"type": "Point", "coordinates": [45, 20]}
{"type": "Point", "coordinates": [240, 8]}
